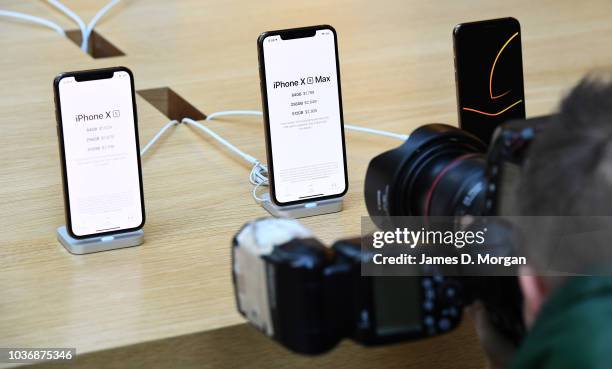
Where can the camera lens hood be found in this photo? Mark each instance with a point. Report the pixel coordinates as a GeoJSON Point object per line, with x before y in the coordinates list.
{"type": "Point", "coordinates": [391, 176]}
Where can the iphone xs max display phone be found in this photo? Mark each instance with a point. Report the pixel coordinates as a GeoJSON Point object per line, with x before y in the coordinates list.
{"type": "Point", "coordinates": [99, 151]}
{"type": "Point", "coordinates": [302, 105]}
{"type": "Point", "coordinates": [489, 75]}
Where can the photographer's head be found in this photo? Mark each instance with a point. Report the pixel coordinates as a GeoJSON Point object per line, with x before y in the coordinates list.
{"type": "Point", "coordinates": [568, 172]}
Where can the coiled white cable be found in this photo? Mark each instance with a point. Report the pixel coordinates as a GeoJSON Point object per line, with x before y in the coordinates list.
{"type": "Point", "coordinates": [259, 172]}
{"type": "Point", "coordinates": [259, 178]}
{"type": "Point", "coordinates": [33, 19]}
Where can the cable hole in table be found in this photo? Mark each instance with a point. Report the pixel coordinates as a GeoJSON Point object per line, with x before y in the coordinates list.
{"type": "Point", "coordinates": [99, 47]}
{"type": "Point", "coordinates": [171, 104]}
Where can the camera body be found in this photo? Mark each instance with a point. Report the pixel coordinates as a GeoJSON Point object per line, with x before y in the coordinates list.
{"type": "Point", "coordinates": [308, 296]}
{"type": "Point", "coordinates": [504, 161]}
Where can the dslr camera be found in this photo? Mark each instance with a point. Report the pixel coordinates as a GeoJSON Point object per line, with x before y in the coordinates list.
{"type": "Point", "coordinates": [308, 296]}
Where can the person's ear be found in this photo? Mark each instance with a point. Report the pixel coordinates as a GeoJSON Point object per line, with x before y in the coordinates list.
{"type": "Point", "coordinates": [535, 293]}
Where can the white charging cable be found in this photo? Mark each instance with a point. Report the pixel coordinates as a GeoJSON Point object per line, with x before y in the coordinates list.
{"type": "Point", "coordinates": [259, 172]}
{"type": "Point", "coordinates": [74, 16]}
{"type": "Point", "coordinates": [377, 132]}
{"type": "Point", "coordinates": [158, 136]}
{"type": "Point", "coordinates": [33, 19]}
{"type": "Point", "coordinates": [85, 29]}
{"type": "Point", "coordinates": [351, 127]}
{"type": "Point", "coordinates": [95, 20]}
{"type": "Point", "coordinates": [233, 113]}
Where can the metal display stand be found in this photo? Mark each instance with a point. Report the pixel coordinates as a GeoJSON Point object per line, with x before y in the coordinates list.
{"type": "Point", "coordinates": [97, 244]}
{"type": "Point", "coordinates": [308, 209]}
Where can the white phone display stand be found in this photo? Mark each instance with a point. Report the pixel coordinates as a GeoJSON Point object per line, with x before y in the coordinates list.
{"type": "Point", "coordinates": [97, 244]}
{"type": "Point", "coordinates": [304, 210]}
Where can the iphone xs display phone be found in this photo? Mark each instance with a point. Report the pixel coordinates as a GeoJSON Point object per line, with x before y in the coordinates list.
{"type": "Point", "coordinates": [302, 105]}
{"type": "Point", "coordinates": [488, 74]}
{"type": "Point", "coordinates": [99, 151]}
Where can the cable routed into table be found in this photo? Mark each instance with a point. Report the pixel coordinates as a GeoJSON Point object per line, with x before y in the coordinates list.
{"type": "Point", "coordinates": [258, 176]}
{"type": "Point", "coordinates": [33, 19]}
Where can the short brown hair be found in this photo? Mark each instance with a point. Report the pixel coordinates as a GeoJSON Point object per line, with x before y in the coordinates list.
{"type": "Point", "coordinates": [568, 170]}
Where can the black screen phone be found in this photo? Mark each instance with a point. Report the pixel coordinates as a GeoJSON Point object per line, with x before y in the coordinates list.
{"type": "Point", "coordinates": [488, 74]}
{"type": "Point", "coordinates": [99, 151]}
{"type": "Point", "coordinates": [302, 105]}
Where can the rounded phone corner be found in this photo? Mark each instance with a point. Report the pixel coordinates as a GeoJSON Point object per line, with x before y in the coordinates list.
{"type": "Point", "coordinates": [515, 21]}
{"type": "Point", "coordinates": [329, 27]}
{"type": "Point", "coordinates": [58, 78]}
{"type": "Point", "coordinates": [345, 191]}
{"type": "Point", "coordinates": [275, 200]}
{"type": "Point", "coordinates": [125, 69]}
{"type": "Point", "coordinates": [262, 36]}
{"type": "Point", "coordinates": [72, 234]}
{"type": "Point", "coordinates": [456, 29]}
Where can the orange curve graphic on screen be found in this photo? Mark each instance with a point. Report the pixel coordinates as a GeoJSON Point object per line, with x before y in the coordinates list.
{"type": "Point", "coordinates": [493, 97]}
{"type": "Point", "coordinates": [493, 114]}
{"type": "Point", "coordinates": [493, 69]}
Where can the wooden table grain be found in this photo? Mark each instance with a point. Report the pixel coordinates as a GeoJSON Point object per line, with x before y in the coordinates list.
{"type": "Point", "coordinates": [169, 302]}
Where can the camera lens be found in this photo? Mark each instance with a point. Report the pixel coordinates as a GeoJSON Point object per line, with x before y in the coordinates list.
{"type": "Point", "coordinates": [438, 171]}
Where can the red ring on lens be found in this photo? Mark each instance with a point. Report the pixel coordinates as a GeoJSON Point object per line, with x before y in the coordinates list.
{"type": "Point", "coordinates": [438, 178]}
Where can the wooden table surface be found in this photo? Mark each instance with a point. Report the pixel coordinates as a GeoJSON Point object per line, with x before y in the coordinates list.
{"type": "Point", "coordinates": [169, 302]}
